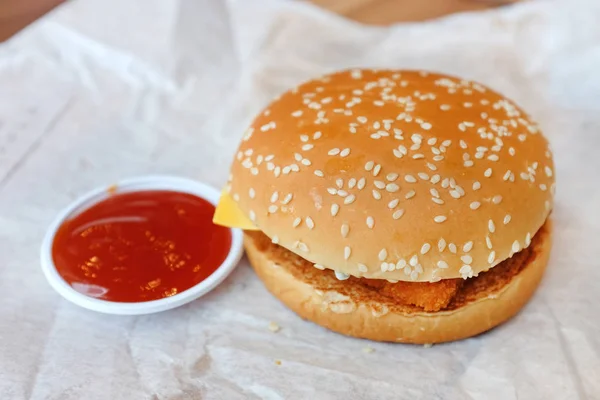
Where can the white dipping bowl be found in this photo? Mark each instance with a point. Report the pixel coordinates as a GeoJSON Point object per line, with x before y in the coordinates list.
{"type": "Point", "coordinates": [133, 185]}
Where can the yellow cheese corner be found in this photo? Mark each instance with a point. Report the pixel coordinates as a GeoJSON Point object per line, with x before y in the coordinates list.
{"type": "Point", "coordinates": [229, 214]}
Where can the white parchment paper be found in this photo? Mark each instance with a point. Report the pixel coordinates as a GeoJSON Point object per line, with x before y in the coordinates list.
{"type": "Point", "coordinates": [101, 90]}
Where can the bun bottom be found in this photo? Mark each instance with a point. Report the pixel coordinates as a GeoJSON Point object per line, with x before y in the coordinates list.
{"type": "Point", "coordinates": [352, 310]}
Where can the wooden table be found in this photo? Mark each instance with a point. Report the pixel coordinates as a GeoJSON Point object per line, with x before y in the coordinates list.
{"type": "Point", "coordinates": [17, 14]}
{"type": "Point", "coordinates": [385, 12]}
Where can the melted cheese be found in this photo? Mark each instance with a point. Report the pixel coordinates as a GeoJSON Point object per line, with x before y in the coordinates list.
{"type": "Point", "coordinates": [229, 214]}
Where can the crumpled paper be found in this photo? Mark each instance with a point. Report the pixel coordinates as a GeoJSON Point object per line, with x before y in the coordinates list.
{"type": "Point", "coordinates": [106, 89]}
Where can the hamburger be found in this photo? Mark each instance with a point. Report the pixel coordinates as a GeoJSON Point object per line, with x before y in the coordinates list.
{"type": "Point", "coordinates": [393, 205]}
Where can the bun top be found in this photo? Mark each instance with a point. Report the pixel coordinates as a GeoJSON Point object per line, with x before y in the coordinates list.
{"type": "Point", "coordinates": [398, 175]}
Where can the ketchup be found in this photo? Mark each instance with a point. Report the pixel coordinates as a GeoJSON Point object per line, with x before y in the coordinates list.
{"type": "Point", "coordinates": [140, 246]}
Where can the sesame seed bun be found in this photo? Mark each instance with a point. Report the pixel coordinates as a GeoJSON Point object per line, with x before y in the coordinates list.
{"type": "Point", "coordinates": [398, 175]}
{"type": "Point", "coordinates": [351, 309]}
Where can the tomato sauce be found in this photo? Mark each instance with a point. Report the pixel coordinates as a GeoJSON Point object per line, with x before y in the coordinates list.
{"type": "Point", "coordinates": [140, 246]}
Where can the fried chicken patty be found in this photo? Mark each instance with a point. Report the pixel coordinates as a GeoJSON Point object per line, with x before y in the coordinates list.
{"type": "Point", "coordinates": [446, 294]}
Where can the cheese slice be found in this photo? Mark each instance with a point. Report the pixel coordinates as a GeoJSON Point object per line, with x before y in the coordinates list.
{"type": "Point", "coordinates": [229, 214]}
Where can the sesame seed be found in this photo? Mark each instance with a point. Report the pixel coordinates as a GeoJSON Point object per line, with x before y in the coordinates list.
{"type": "Point", "coordinates": [298, 156]}
{"type": "Point", "coordinates": [468, 246]}
{"type": "Point", "coordinates": [369, 165]}
{"type": "Point", "coordinates": [392, 187]}
{"type": "Point", "coordinates": [441, 245]}
{"type": "Point", "coordinates": [304, 138]}
{"type": "Point", "coordinates": [497, 199]}
{"type": "Point", "coordinates": [332, 191]}
{"type": "Point", "coordinates": [362, 120]}
{"type": "Point", "coordinates": [334, 209]}
{"type": "Point", "coordinates": [306, 161]}
{"type": "Point", "coordinates": [370, 222]}
{"type": "Point", "coordinates": [493, 157]}
{"type": "Point", "coordinates": [425, 248]}
{"type": "Point", "coordinates": [466, 271]}
{"type": "Point", "coordinates": [423, 176]}
{"type": "Point", "coordinates": [393, 203]}
{"type": "Point", "coordinates": [319, 266]}
{"type": "Point", "coordinates": [426, 126]}
{"type": "Point", "coordinates": [410, 194]}
{"type": "Point", "coordinates": [401, 264]}
{"type": "Point", "coordinates": [488, 173]}
{"type": "Point", "coordinates": [516, 246]}
{"type": "Point", "coordinates": [252, 193]}
{"type": "Point", "coordinates": [438, 158]}
{"type": "Point", "coordinates": [398, 214]}
{"type": "Point", "coordinates": [349, 199]}
{"type": "Point", "coordinates": [275, 239]}
{"type": "Point", "coordinates": [339, 182]}
{"type": "Point", "coordinates": [543, 187]}
{"type": "Point", "coordinates": [361, 183]}
{"type": "Point", "coordinates": [413, 261]}
{"type": "Point", "coordinates": [444, 107]}
{"type": "Point", "coordinates": [488, 242]}
{"type": "Point", "coordinates": [302, 246]}
{"type": "Point", "coordinates": [455, 194]}
{"type": "Point", "coordinates": [296, 222]}
{"type": "Point", "coordinates": [317, 135]}
{"type": "Point", "coordinates": [277, 171]}
{"type": "Point", "coordinates": [548, 171]}
{"type": "Point", "coordinates": [347, 252]}
{"type": "Point", "coordinates": [511, 151]}
{"type": "Point", "coordinates": [236, 197]}
{"type": "Point", "coordinates": [254, 171]}
{"type": "Point", "coordinates": [384, 266]}
{"type": "Point", "coordinates": [318, 172]}
{"type": "Point", "coordinates": [445, 183]}
{"type": "Point", "coordinates": [435, 179]}
{"type": "Point", "coordinates": [362, 267]}
{"type": "Point", "coordinates": [376, 194]}
{"type": "Point", "coordinates": [252, 216]}
{"type": "Point", "coordinates": [376, 170]}
{"type": "Point", "coordinates": [452, 248]}
{"type": "Point", "coordinates": [463, 144]}
{"type": "Point", "coordinates": [286, 170]}
{"type": "Point", "coordinates": [476, 185]}
{"type": "Point", "coordinates": [474, 205]}
{"type": "Point", "coordinates": [392, 176]}
{"type": "Point", "coordinates": [491, 226]}
{"type": "Point", "coordinates": [334, 152]}
{"type": "Point", "coordinates": [272, 209]}
{"type": "Point", "coordinates": [274, 197]}
{"type": "Point", "coordinates": [439, 218]}
{"type": "Point", "coordinates": [382, 254]}
{"type": "Point", "coordinates": [410, 178]}
{"type": "Point", "coordinates": [344, 230]}
{"type": "Point", "coordinates": [442, 264]}
{"type": "Point", "coordinates": [467, 259]}
{"type": "Point", "coordinates": [307, 147]}
{"type": "Point", "coordinates": [379, 184]}
{"type": "Point", "coordinates": [345, 152]}
{"type": "Point", "coordinates": [468, 163]}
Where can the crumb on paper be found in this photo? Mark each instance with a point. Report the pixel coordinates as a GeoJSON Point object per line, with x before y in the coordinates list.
{"type": "Point", "coordinates": [427, 345]}
{"type": "Point", "coordinates": [368, 349]}
{"type": "Point", "coordinates": [277, 362]}
{"type": "Point", "coordinates": [273, 327]}
{"type": "Point", "coordinates": [112, 189]}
